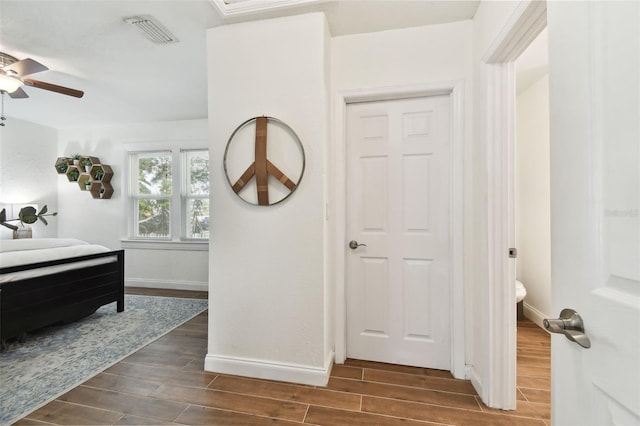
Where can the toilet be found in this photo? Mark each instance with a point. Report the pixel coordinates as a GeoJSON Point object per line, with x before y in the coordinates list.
{"type": "Point", "coordinates": [521, 292]}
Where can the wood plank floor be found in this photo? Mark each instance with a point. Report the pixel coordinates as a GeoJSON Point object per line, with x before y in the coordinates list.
{"type": "Point", "coordinates": [164, 383]}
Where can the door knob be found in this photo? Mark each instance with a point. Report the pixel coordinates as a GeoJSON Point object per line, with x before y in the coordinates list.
{"type": "Point", "coordinates": [353, 244]}
{"type": "Point", "coordinates": [570, 324]}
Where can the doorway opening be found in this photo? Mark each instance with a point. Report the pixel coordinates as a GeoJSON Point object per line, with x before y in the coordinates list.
{"type": "Point", "coordinates": [532, 195]}
{"type": "Point", "coordinates": [532, 213]}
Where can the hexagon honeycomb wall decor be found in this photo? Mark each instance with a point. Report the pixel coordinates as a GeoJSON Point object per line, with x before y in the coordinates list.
{"type": "Point", "coordinates": [89, 174]}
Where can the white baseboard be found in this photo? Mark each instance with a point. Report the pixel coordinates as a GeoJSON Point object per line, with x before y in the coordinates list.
{"type": "Point", "coordinates": [473, 376]}
{"type": "Point", "coordinates": [167, 284]}
{"type": "Point", "coordinates": [292, 373]}
{"type": "Point", "coordinates": [534, 315]}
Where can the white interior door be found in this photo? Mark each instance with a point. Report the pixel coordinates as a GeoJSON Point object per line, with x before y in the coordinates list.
{"type": "Point", "coordinates": [398, 207]}
{"type": "Point", "coordinates": [594, 58]}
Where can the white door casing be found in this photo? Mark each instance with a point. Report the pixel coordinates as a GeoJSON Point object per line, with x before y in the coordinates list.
{"type": "Point", "coordinates": [336, 210]}
{"type": "Point", "coordinates": [398, 190]}
{"type": "Point", "coordinates": [594, 57]}
{"type": "Point", "coordinates": [495, 377]}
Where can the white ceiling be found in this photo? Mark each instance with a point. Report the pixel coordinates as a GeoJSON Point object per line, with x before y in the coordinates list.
{"type": "Point", "coordinates": [126, 78]}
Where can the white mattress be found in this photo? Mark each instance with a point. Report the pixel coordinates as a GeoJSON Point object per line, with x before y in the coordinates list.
{"type": "Point", "coordinates": [27, 251]}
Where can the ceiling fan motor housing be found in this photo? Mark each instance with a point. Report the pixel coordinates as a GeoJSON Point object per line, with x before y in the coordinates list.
{"type": "Point", "coordinates": [6, 59]}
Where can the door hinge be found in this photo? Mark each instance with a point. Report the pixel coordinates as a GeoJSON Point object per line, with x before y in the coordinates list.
{"type": "Point", "coordinates": [513, 253]}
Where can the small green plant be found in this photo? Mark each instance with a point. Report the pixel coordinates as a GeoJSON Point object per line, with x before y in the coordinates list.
{"type": "Point", "coordinates": [85, 162]}
{"type": "Point", "coordinates": [75, 156]}
{"type": "Point", "coordinates": [62, 167]}
{"type": "Point", "coordinates": [99, 173]}
{"type": "Point", "coordinates": [27, 215]}
{"type": "Point", "coordinates": [74, 174]}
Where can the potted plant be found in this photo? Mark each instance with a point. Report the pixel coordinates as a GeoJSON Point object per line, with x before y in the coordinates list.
{"type": "Point", "coordinates": [62, 167]}
{"type": "Point", "coordinates": [98, 174]}
{"type": "Point", "coordinates": [86, 163]}
{"type": "Point", "coordinates": [74, 174]}
{"type": "Point", "coordinates": [101, 192]}
{"type": "Point", "coordinates": [87, 184]}
{"type": "Point", "coordinates": [76, 159]}
{"type": "Point", "coordinates": [27, 215]}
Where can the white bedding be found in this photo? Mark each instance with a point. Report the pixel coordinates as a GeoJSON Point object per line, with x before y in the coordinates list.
{"type": "Point", "coordinates": [27, 251]}
{"type": "Point", "coordinates": [38, 243]}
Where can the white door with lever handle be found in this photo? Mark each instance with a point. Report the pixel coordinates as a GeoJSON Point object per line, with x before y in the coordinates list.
{"type": "Point", "coordinates": [594, 58]}
{"type": "Point", "coordinates": [398, 278]}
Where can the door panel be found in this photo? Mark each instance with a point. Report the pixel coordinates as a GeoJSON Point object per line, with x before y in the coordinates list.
{"type": "Point", "coordinates": [416, 184]}
{"type": "Point", "coordinates": [375, 273]}
{"type": "Point", "coordinates": [595, 205]}
{"type": "Point", "coordinates": [374, 192]}
{"type": "Point", "coordinates": [398, 194]}
{"type": "Point", "coordinates": [417, 323]}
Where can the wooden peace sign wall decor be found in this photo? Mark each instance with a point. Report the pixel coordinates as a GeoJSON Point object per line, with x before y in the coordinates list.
{"type": "Point", "coordinates": [251, 168]}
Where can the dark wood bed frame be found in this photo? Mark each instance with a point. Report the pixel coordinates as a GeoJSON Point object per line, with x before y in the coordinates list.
{"type": "Point", "coordinates": [33, 303]}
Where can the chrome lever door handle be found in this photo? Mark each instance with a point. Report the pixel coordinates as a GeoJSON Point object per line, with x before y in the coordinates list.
{"type": "Point", "coordinates": [570, 324]}
{"type": "Point", "coordinates": [353, 244]}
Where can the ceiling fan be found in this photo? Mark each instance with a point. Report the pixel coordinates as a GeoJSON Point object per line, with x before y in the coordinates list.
{"type": "Point", "coordinates": [12, 72]}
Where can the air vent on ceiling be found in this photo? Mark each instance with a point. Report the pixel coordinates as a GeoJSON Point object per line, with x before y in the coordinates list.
{"type": "Point", "coordinates": [152, 29]}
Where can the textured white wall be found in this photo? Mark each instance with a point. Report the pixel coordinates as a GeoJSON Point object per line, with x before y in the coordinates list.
{"type": "Point", "coordinates": [268, 287]}
{"type": "Point", "coordinates": [533, 210]}
{"type": "Point", "coordinates": [417, 55]}
{"type": "Point", "coordinates": [28, 152]}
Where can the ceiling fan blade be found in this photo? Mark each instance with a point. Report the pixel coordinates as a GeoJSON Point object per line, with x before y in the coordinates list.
{"type": "Point", "coordinates": [53, 87]}
{"type": "Point", "coordinates": [25, 66]}
{"type": "Point", "coordinates": [18, 94]}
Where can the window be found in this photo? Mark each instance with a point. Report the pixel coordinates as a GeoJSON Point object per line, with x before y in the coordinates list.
{"type": "Point", "coordinates": [196, 193]}
{"type": "Point", "coordinates": [170, 194]}
{"type": "Point", "coordinates": [153, 190]}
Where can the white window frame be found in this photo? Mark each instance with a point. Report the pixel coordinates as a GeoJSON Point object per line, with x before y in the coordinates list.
{"type": "Point", "coordinates": [177, 240]}
{"type": "Point", "coordinates": [135, 197]}
{"type": "Point", "coordinates": [185, 196]}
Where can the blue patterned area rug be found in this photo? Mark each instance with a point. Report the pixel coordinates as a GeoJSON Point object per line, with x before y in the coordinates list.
{"type": "Point", "coordinates": [56, 359]}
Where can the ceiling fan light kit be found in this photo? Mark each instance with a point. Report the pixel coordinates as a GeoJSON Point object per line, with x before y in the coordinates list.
{"type": "Point", "coordinates": [9, 84]}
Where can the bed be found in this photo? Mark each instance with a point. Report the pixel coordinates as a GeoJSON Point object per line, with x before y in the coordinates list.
{"type": "Point", "coordinates": [44, 281]}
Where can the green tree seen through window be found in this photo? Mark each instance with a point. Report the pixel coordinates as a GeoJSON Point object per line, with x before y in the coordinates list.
{"type": "Point", "coordinates": [154, 178]}
{"type": "Point", "coordinates": [198, 191]}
